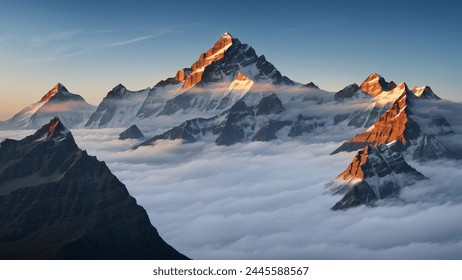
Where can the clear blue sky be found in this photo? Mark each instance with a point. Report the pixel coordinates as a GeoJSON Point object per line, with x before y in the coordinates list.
{"type": "Point", "coordinates": [90, 46]}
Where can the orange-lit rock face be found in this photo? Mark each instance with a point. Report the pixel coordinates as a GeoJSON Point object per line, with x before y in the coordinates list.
{"type": "Point", "coordinates": [205, 59]}
{"type": "Point", "coordinates": [354, 170]}
{"type": "Point", "coordinates": [241, 77]}
{"type": "Point", "coordinates": [376, 84]}
{"type": "Point", "coordinates": [54, 124]}
{"type": "Point", "coordinates": [182, 74]}
{"type": "Point", "coordinates": [389, 127]}
{"type": "Point", "coordinates": [51, 93]}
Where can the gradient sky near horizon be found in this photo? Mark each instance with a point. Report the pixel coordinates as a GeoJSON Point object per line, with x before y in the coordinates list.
{"type": "Point", "coordinates": [91, 46]}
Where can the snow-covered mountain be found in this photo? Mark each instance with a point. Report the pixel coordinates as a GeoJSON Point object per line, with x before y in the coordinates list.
{"type": "Point", "coordinates": [118, 108]}
{"type": "Point", "coordinates": [58, 102]}
{"type": "Point", "coordinates": [211, 85]}
{"type": "Point", "coordinates": [378, 94]}
{"type": "Point", "coordinates": [406, 130]}
{"type": "Point", "coordinates": [245, 121]}
{"type": "Point", "coordinates": [374, 173]}
{"type": "Point", "coordinates": [303, 110]}
{"type": "Point", "coordinates": [406, 125]}
{"type": "Point", "coordinates": [392, 127]}
{"type": "Point", "coordinates": [60, 203]}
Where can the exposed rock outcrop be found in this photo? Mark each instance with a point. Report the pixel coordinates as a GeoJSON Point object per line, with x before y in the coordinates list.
{"type": "Point", "coordinates": [133, 132]}
{"type": "Point", "coordinates": [374, 173]}
{"type": "Point", "coordinates": [376, 84]}
{"type": "Point", "coordinates": [346, 92]}
{"type": "Point", "coordinates": [215, 53]}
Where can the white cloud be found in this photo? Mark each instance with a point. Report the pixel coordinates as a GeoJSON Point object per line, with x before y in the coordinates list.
{"type": "Point", "coordinates": [268, 201]}
{"type": "Point", "coordinates": [132, 41]}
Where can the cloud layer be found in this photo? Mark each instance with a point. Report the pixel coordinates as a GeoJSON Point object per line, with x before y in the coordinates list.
{"type": "Point", "coordinates": [268, 201]}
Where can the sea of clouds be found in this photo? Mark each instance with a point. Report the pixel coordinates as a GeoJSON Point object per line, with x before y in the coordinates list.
{"type": "Point", "coordinates": [269, 201]}
{"type": "Point", "coordinates": [263, 200]}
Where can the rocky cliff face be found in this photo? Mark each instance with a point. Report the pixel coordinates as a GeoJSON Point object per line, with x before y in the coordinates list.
{"type": "Point", "coordinates": [182, 74]}
{"type": "Point", "coordinates": [242, 58]}
{"type": "Point", "coordinates": [270, 104]}
{"type": "Point", "coordinates": [346, 92]}
{"type": "Point", "coordinates": [379, 169]}
{"type": "Point", "coordinates": [216, 53]}
{"type": "Point", "coordinates": [57, 202]}
{"type": "Point", "coordinates": [376, 84]}
{"type": "Point", "coordinates": [394, 125]}
{"type": "Point", "coordinates": [374, 173]}
{"type": "Point", "coordinates": [406, 126]}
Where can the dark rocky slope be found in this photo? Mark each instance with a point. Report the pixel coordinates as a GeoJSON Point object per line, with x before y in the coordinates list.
{"type": "Point", "coordinates": [57, 202]}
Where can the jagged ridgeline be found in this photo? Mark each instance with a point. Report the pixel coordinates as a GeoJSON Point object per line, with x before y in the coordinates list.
{"type": "Point", "coordinates": [231, 95]}
{"type": "Point", "coordinates": [379, 170]}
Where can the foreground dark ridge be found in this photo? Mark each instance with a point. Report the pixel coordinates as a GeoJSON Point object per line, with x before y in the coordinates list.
{"type": "Point", "coordinates": [57, 202]}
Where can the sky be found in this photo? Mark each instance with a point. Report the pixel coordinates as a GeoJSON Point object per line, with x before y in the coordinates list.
{"type": "Point", "coordinates": [91, 46]}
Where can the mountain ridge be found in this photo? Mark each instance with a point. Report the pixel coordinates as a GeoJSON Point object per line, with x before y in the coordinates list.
{"type": "Point", "coordinates": [58, 101]}
{"type": "Point", "coordinates": [57, 202]}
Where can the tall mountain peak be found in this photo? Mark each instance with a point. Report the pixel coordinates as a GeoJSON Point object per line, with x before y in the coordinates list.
{"type": "Point", "coordinates": [375, 84]}
{"type": "Point", "coordinates": [217, 52]}
{"type": "Point", "coordinates": [57, 89]}
{"type": "Point", "coordinates": [226, 35]}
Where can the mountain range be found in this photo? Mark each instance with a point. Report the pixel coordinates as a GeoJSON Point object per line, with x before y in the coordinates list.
{"type": "Point", "coordinates": [232, 95]}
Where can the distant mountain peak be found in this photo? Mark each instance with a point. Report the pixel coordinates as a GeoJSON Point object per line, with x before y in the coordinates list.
{"type": "Point", "coordinates": [424, 92]}
{"type": "Point", "coordinates": [57, 89]}
{"type": "Point", "coordinates": [310, 85]}
{"type": "Point", "coordinates": [57, 102]}
{"type": "Point", "coordinates": [117, 92]}
{"type": "Point", "coordinates": [119, 87]}
{"type": "Point", "coordinates": [375, 84]}
{"type": "Point", "coordinates": [347, 92]}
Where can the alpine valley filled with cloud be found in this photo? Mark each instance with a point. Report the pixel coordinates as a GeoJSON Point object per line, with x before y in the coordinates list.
{"type": "Point", "coordinates": [230, 159]}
